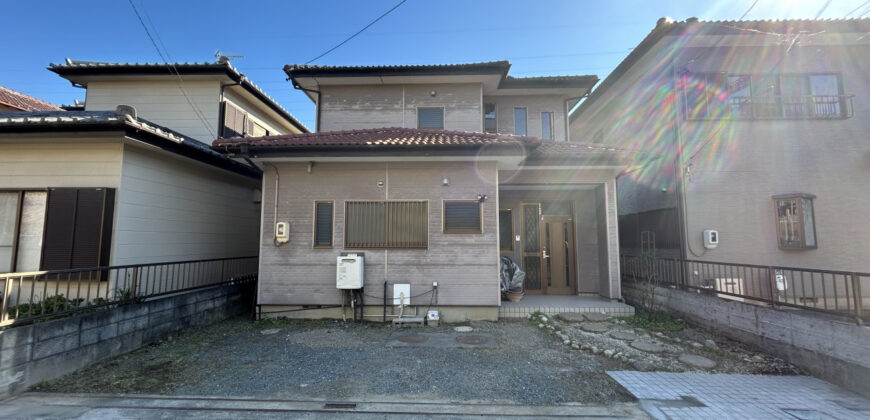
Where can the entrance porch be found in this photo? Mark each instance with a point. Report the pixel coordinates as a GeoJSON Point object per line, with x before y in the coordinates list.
{"type": "Point", "coordinates": [554, 304]}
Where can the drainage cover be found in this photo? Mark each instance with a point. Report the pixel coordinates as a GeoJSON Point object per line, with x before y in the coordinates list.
{"type": "Point", "coordinates": [412, 338]}
{"type": "Point", "coordinates": [340, 405]}
{"type": "Point", "coordinates": [471, 339]}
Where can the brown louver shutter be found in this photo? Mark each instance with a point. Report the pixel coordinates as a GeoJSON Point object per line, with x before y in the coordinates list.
{"type": "Point", "coordinates": [59, 228]}
{"type": "Point", "coordinates": [88, 228]}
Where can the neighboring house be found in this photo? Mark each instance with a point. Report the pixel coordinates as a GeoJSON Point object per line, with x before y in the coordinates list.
{"type": "Point", "coordinates": [433, 172]}
{"type": "Point", "coordinates": [11, 100]}
{"type": "Point", "coordinates": [116, 184]}
{"type": "Point", "coordinates": [757, 129]}
{"type": "Point", "coordinates": [202, 100]}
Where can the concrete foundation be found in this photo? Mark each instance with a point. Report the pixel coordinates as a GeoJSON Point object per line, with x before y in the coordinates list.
{"type": "Point", "coordinates": [375, 313]}
{"type": "Point", "coordinates": [833, 350]}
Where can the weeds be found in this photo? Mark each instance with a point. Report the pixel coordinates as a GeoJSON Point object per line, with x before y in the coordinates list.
{"type": "Point", "coordinates": [655, 321]}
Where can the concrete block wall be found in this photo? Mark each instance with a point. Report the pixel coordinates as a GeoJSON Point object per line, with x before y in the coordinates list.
{"type": "Point", "coordinates": [43, 351]}
{"type": "Point", "coordinates": [834, 350]}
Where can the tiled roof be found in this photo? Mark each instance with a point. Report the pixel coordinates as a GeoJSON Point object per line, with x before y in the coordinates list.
{"type": "Point", "coordinates": [377, 137]}
{"type": "Point", "coordinates": [71, 68]}
{"type": "Point", "coordinates": [24, 102]}
{"type": "Point", "coordinates": [555, 151]}
{"type": "Point", "coordinates": [50, 121]}
{"type": "Point", "coordinates": [666, 26]}
{"type": "Point", "coordinates": [482, 67]}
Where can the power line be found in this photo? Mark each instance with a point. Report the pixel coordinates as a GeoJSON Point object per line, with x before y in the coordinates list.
{"type": "Point", "coordinates": [173, 70]}
{"type": "Point", "coordinates": [750, 9]}
{"type": "Point", "coordinates": [357, 33]}
{"type": "Point", "coordinates": [857, 8]}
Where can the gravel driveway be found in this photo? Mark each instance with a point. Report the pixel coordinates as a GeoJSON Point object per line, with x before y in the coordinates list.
{"type": "Point", "coordinates": [344, 361]}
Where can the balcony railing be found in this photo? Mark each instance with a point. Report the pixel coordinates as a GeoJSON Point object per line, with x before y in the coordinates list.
{"type": "Point", "coordinates": [47, 294]}
{"type": "Point", "coordinates": [840, 293]}
{"type": "Point", "coordinates": [809, 107]}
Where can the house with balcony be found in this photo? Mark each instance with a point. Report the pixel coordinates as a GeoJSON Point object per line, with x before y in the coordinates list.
{"type": "Point", "coordinates": [754, 129]}
{"type": "Point", "coordinates": [431, 173]}
{"type": "Point", "coordinates": [128, 180]}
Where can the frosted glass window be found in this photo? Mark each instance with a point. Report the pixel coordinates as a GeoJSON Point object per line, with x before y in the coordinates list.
{"type": "Point", "coordinates": [520, 121]}
{"type": "Point", "coordinates": [8, 223]}
{"type": "Point", "coordinates": [31, 229]}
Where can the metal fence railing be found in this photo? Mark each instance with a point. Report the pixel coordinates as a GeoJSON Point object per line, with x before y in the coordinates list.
{"type": "Point", "coordinates": [41, 294]}
{"type": "Point", "coordinates": [840, 293]}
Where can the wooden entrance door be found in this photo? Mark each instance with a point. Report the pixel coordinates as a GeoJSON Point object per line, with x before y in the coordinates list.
{"type": "Point", "coordinates": [557, 268]}
{"type": "Point", "coordinates": [547, 252]}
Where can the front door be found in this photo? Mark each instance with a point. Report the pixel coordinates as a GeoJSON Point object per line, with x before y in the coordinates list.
{"type": "Point", "coordinates": [557, 240]}
{"type": "Point", "coordinates": [547, 252]}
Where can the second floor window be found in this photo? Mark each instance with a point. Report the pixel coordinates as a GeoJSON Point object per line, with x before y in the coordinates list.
{"type": "Point", "coordinates": [520, 122]}
{"type": "Point", "coordinates": [238, 123]}
{"type": "Point", "coordinates": [430, 118]}
{"type": "Point", "coordinates": [489, 122]}
{"type": "Point", "coordinates": [547, 125]}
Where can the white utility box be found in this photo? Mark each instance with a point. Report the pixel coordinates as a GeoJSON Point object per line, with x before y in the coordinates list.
{"type": "Point", "coordinates": [349, 272]}
{"type": "Point", "coordinates": [401, 294]}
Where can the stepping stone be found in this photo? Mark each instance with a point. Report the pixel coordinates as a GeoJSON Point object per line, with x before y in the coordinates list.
{"type": "Point", "coordinates": [648, 346]}
{"type": "Point", "coordinates": [595, 316]}
{"type": "Point", "coordinates": [572, 317]}
{"type": "Point", "coordinates": [594, 327]}
{"type": "Point", "coordinates": [697, 361]}
{"type": "Point", "coordinates": [270, 331]}
{"type": "Point", "coordinates": [463, 329]}
{"type": "Point", "coordinates": [624, 335]}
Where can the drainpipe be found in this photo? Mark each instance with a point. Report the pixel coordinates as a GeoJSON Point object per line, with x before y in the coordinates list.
{"type": "Point", "coordinates": [317, 112]}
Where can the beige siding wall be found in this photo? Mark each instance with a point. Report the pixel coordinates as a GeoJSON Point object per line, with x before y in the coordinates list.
{"type": "Point", "coordinates": [175, 209]}
{"type": "Point", "coordinates": [465, 265]}
{"type": "Point", "coordinates": [163, 103]}
{"type": "Point", "coordinates": [42, 163]}
{"type": "Point", "coordinates": [535, 105]}
{"type": "Point", "coordinates": [359, 107]}
{"type": "Point", "coordinates": [737, 165]}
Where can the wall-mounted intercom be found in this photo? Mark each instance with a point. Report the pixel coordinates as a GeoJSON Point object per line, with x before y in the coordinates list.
{"type": "Point", "coordinates": [711, 238]}
{"type": "Point", "coordinates": [282, 232]}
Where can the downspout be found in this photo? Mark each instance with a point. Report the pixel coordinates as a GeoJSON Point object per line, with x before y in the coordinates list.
{"type": "Point", "coordinates": [317, 112]}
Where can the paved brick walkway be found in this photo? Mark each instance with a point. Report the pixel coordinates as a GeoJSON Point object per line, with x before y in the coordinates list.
{"type": "Point", "coordinates": [702, 395]}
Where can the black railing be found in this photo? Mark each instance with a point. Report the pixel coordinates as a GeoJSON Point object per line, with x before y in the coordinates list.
{"type": "Point", "coordinates": [41, 294]}
{"type": "Point", "coordinates": [809, 107]}
{"type": "Point", "coordinates": [840, 293]}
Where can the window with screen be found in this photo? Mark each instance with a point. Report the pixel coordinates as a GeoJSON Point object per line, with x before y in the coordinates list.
{"type": "Point", "coordinates": [462, 216]}
{"type": "Point", "coordinates": [430, 118]}
{"type": "Point", "coordinates": [489, 119]}
{"type": "Point", "coordinates": [386, 224]}
{"type": "Point", "coordinates": [795, 221]}
{"type": "Point", "coordinates": [547, 125]}
{"type": "Point", "coordinates": [505, 230]}
{"type": "Point", "coordinates": [520, 121]}
{"type": "Point", "coordinates": [323, 215]}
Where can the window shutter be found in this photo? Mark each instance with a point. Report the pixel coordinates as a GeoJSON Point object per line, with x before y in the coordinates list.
{"type": "Point", "coordinates": [430, 118]}
{"type": "Point", "coordinates": [59, 229]}
{"type": "Point", "coordinates": [462, 217]}
{"type": "Point", "coordinates": [88, 228]}
{"type": "Point", "coordinates": [323, 227]}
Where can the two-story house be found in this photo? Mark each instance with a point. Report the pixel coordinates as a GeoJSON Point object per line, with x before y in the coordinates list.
{"type": "Point", "coordinates": [432, 172]}
{"type": "Point", "coordinates": [755, 129]}
{"type": "Point", "coordinates": [128, 179]}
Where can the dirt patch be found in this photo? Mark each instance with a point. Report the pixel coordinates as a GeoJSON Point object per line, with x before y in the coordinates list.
{"type": "Point", "coordinates": [336, 360]}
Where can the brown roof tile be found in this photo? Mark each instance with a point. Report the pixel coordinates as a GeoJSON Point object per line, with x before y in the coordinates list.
{"type": "Point", "coordinates": [375, 137]}
{"type": "Point", "coordinates": [24, 102]}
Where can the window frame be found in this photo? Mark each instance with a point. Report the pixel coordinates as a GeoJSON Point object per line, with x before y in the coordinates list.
{"type": "Point", "coordinates": [461, 231]}
{"type": "Point", "coordinates": [443, 117]}
{"type": "Point", "coordinates": [526, 120]}
{"type": "Point", "coordinates": [800, 197]}
{"type": "Point", "coordinates": [494, 118]}
{"type": "Point", "coordinates": [18, 217]}
{"type": "Point", "coordinates": [501, 247]}
{"type": "Point", "coordinates": [385, 245]}
{"type": "Point", "coordinates": [552, 125]}
{"type": "Point", "coordinates": [331, 244]}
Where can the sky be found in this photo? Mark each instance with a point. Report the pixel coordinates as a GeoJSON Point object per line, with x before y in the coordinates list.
{"type": "Point", "coordinates": [540, 37]}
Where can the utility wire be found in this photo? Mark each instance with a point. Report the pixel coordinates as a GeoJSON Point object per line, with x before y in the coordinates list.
{"type": "Point", "coordinates": [357, 33]}
{"type": "Point", "coordinates": [857, 8]}
{"type": "Point", "coordinates": [750, 9]}
{"type": "Point", "coordinates": [172, 70]}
